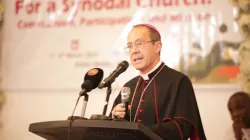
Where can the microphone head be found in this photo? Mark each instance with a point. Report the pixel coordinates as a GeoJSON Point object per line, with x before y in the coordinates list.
{"type": "Point", "coordinates": [123, 65]}
{"type": "Point", "coordinates": [125, 93]}
{"type": "Point", "coordinates": [95, 76]}
{"type": "Point", "coordinates": [87, 85]}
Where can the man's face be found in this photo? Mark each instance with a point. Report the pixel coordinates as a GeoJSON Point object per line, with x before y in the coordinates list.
{"type": "Point", "coordinates": [145, 52]}
{"type": "Point", "coordinates": [239, 109]}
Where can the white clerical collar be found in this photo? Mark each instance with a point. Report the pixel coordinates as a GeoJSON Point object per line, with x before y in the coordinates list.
{"type": "Point", "coordinates": [145, 76]}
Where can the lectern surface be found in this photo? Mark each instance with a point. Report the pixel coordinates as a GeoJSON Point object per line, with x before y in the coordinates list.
{"type": "Point", "coordinates": [92, 130]}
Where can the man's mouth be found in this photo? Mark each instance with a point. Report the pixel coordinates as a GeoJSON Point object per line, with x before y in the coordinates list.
{"type": "Point", "coordinates": [137, 59]}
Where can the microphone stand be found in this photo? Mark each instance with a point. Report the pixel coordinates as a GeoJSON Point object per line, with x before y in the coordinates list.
{"type": "Point", "coordinates": [84, 106]}
{"type": "Point", "coordinates": [109, 91]}
{"type": "Point", "coordinates": [103, 116]}
{"type": "Point", "coordinates": [85, 102]}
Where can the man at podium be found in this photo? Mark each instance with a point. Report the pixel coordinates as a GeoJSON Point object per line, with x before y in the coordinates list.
{"type": "Point", "coordinates": [161, 98]}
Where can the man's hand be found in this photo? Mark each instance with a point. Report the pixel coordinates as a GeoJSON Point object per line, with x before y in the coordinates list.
{"type": "Point", "coordinates": [118, 111]}
{"type": "Point", "coordinates": [237, 126]}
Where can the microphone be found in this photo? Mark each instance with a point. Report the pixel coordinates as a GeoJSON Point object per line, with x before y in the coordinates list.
{"type": "Point", "coordinates": [111, 78]}
{"type": "Point", "coordinates": [91, 80]}
{"type": "Point", "coordinates": [125, 93]}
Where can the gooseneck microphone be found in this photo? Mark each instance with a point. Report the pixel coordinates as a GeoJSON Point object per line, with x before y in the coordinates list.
{"type": "Point", "coordinates": [111, 78]}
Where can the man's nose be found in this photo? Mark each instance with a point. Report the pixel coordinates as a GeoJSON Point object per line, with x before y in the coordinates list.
{"type": "Point", "coordinates": [134, 50]}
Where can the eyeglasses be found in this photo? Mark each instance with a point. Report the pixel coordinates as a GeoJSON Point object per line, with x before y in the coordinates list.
{"type": "Point", "coordinates": [138, 45]}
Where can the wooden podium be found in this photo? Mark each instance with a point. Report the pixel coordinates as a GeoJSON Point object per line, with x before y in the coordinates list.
{"type": "Point", "coordinates": [92, 130]}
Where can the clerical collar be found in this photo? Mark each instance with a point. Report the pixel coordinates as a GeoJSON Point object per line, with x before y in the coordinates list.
{"type": "Point", "coordinates": [151, 73]}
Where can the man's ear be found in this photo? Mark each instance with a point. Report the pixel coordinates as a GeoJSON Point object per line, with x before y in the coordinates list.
{"type": "Point", "coordinates": [158, 46]}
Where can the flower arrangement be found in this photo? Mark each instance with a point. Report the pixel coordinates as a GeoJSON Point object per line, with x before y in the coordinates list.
{"type": "Point", "coordinates": [244, 57]}
{"type": "Point", "coordinates": [243, 21]}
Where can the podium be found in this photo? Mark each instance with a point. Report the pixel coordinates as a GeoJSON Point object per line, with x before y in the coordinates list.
{"type": "Point", "coordinates": [92, 130]}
